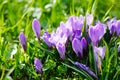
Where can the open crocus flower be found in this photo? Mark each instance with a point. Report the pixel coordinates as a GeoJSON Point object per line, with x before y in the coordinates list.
{"type": "Point", "coordinates": [46, 38]}
{"type": "Point", "coordinates": [36, 28]}
{"type": "Point", "coordinates": [85, 68]}
{"type": "Point", "coordinates": [59, 42]}
{"type": "Point", "coordinates": [99, 54]}
{"type": "Point", "coordinates": [112, 25]}
{"type": "Point", "coordinates": [77, 22]}
{"type": "Point", "coordinates": [38, 65]}
{"type": "Point", "coordinates": [22, 40]}
{"type": "Point", "coordinates": [97, 32]}
{"type": "Point", "coordinates": [79, 46]}
{"type": "Point", "coordinates": [63, 30]}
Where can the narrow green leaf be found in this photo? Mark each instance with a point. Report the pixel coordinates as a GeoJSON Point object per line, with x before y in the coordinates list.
{"type": "Point", "coordinates": [80, 71]}
{"type": "Point", "coordinates": [103, 19]}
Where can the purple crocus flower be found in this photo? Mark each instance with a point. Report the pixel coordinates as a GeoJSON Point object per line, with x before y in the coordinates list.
{"type": "Point", "coordinates": [97, 32]}
{"type": "Point", "coordinates": [22, 40]}
{"type": "Point", "coordinates": [119, 50]}
{"type": "Point", "coordinates": [99, 53]}
{"type": "Point", "coordinates": [38, 65]}
{"type": "Point", "coordinates": [61, 49]}
{"type": "Point", "coordinates": [36, 28]}
{"type": "Point", "coordinates": [85, 68]}
{"type": "Point", "coordinates": [62, 30]}
{"type": "Point", "coordinates": [77, 22]}
{"type": "Point", "coordinates": [59, 42]}
{"type": "Point", "coordinates": [79, 46]}
{"type": "Point", "coordinates": [112, 25]}
{"type": "Point", "coordinates": [118, 27]}
{"type": "Point", "coordinates": [46, 38]}
{"type": "Point", "coordinates": [89, 19]}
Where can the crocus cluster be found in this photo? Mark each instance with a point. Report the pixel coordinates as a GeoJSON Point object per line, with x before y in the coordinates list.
{"type": "Point", "coordinates": [72, 31]}
{"type": "Point", "coordinates": [114, 26]}
{"type": "Point", "coordinates": [68, 31]}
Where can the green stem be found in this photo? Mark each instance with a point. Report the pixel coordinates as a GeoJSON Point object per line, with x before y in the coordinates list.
{"type": "Point", "coordinates": [3, 72]}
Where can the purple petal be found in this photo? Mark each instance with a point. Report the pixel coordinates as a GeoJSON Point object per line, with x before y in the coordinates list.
{"type": "Point", "coordinates": [89, 19]}
{"type": "Point", "coordinates": [84, 43]}
{"type": "Point", "coordinates": [112, 25]}
{"type": "Point", "coordinates": [36, 28]}
{"type": "Point", "coordinates": [77, 23]}
{"type": "Point", "coordinates": [38, 65]}
{"type": "Point", "coordinates": [77, 47]}
{"type": "Point", "coordinates": [46, 37]}
{"type": "Point", "coordinates": [99, 53]}
{"type": "Point", "coordinates": [76, 34]}
{"type": "Point", "coordinates": [22, 40]}
{"type": "Point", "coordinates": [61, 49]}
{"type": "Point", "coordinates": [87, 69]}
{"type": "Point", "coordinates": [118, 27]}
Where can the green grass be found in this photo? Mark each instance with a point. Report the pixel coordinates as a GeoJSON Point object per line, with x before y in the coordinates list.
{"type": "Point", "coordinates": [16, 16]}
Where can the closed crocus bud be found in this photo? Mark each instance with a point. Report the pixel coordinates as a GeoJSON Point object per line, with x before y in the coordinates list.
{"type": "Point", "coordinates": [36, 28]}
{"type": "Point", "coordinates": [85, 68]}
{"type": "Point", "coordinates": [99, 53]}
{"type": "Point", "coordinates": [118, 27]}
{"type": "Point", "coordinates": [89, 19]}
{"type": "Point", "coordinates": [46, 38]}
{"type": "Point", "coordinates": [61, 49]}
{"type": "Point", "coordinates": [119, 50]}
{"type": "Point", "coordinates": [77, 47]}
{"type": "Point", "coordinates": [22, 40]}
{"type": "Point", "coordinates": [38, 65]}
{"type": "Point", "coordinates": [97, 32]}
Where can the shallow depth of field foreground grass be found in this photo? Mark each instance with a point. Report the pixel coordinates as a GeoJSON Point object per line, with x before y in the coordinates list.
{"type": "Point", "coordinates": [22, 16]}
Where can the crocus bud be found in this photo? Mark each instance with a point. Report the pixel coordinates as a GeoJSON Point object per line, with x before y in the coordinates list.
{"type": "Point", "coordinates": [36, 28]}
{"type": "Point", "coordinates": [89, 19]}
{"type": "Point", "coordinates": [77, 47]}
{"type": "Point", "coordinates": [22, 40]}
{"type": "Point", "coordinates": [119, 50]}
{"type": "Point", "coordinates": [85, 68]}
{"type": "Point", "coordinates": [61, 49]}
{"type": "Point", "coordinates": [97, 32]}
{"type": "Point", "coordinates": [38, 65]}
{"type": "Point", "coordinates": [99, 53]}
{"type": "Point", "coordinates": [118, 27]}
